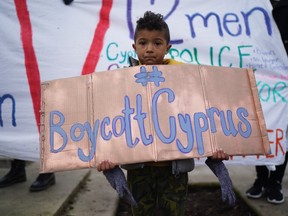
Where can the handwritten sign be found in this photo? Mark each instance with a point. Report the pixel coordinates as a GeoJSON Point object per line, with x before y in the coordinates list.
{"type": "Point", "coordinates": [209, 33]}
{"type": "Point", "coordinates": [150, 113]}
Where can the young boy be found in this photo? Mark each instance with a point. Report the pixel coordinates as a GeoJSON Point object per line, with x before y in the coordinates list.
{"type": "Point", "coordinates": [157, 185]}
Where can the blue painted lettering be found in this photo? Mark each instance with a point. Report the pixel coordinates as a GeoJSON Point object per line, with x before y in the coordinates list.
{"type": "Point", "coordinates": [155, 119]}
{"type": "Point", "coordinates": [231, 131]}
{"type": "Point", "coordinates": [2, 99]}
{"type": "Point", "coordinates": [127, 113]}
{"type": "Point", "coordinates": [199, 129]}
{"type": "Point", "coordinates": [232, 19]}
{"type": "Point", "coordinates": [186, 126]}
{"type": "Point", "coordinates": [75, 129]}
{"type": "Point", "coordinates": [194, 129]}
{"type": "Point", "coordinates": [56, 128]}
{"type": "Point", "coordinates": [122, 126]}
{"type": "Point", "coordinates": [92, 138]}
{"type": "Point", "coordinates": [139, 117]}
{"type": "Point", "coordinates": [242, 113]}
{"type": "Point", "coordinates": [105, 122]}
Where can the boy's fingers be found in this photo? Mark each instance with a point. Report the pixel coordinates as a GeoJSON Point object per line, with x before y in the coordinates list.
{"type": "Point", "coordinates": [220, 155]}
{"type": "Point", "coordinates": [109, 165]}
{"type": "Point", "coordinates": [98, 167]}
{"type": "Point", "coordinates": [105, 165]}
{"type": "Point", "coordinates": [101, 166]}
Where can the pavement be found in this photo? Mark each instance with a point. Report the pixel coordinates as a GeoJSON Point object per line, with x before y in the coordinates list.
{"type": "Point", "coordinates": [86, 192]}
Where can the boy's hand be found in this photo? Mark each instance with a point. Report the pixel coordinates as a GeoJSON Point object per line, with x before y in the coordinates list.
{"type": "Point", "coordinates": [105, 165]}
{"type": "Point", "coordinates": [220, 155]}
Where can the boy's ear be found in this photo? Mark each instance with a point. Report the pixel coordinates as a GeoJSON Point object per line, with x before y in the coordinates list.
{"type": "Point", "coordinates": [168, 48]}
{"type": "Point", "coordinates": [133, 45]}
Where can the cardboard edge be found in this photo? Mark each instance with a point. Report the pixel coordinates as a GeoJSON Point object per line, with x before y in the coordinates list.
{"type": "Point", "coordinates": [90, 113]}
{"type": "Point", "coordinates": [44, 86]}
{"type": "Point", "coordinates": [259, 111]}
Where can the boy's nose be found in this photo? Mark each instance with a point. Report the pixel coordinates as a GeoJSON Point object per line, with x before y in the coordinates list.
{"type": "Point", "coordinates": [150, 48]}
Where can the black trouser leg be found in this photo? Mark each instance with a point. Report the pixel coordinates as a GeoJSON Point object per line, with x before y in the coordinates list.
{"type": "Point", "coordinates": [276, 176]}
{"type": "Point", "coordinates": [16, 163]}
{"type": "Point", "coordinates": [16, 174]}
{"type": "Point", "coordinates": [262, 175]}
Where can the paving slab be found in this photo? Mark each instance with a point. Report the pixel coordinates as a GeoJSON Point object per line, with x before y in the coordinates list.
{"type": "Point", "coordinates": [243, 177]}
{"type": "Point", "coordinates": [86, 192]}
{"type": "Point", "coordinates": [17, 200]}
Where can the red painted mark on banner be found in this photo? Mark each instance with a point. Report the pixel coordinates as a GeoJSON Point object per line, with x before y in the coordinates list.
{"type": "Point", "coordinates": [98, 40]}
{"type": "Point", "coordinates": [276, 144]}
{"type": "Point", "coordinates": [31, 64]}
{"type": "Point", "coordinates": [279, 136]}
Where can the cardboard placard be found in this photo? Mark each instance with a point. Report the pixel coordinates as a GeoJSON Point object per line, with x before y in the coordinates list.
{"type": "Point", "coordinates": [150, 113]}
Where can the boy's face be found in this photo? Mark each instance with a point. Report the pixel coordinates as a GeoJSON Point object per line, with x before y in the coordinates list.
{"type": "Point", "coordinates": [151, 47]}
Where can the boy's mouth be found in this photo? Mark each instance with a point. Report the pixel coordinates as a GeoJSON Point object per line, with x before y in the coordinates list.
{"type": "Point", "coordinates": [149, 58]}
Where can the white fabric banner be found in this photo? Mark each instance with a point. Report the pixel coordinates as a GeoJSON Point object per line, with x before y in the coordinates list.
{"type": "Point", "coordinates": [47, 40]}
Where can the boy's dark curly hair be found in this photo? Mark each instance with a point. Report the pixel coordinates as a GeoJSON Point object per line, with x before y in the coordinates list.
{"type": "Point", "coordinates": [152, 21]}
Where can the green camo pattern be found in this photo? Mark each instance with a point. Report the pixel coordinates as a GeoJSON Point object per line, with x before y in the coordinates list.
{"type": "Point", "coordinates": [155, 187]}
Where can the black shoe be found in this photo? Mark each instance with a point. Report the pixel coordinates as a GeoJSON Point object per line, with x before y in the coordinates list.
{"type": "Point", "coordinates": [43, 181]}
{"type": "Point", "coordinates": [16, 174]}
{"type": "Point", "coordinates": [256, 191]}
{"type": "Point", "coordinates": [274, 194]}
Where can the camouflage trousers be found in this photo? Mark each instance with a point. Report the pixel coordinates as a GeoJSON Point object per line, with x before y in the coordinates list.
{"type": "Point", "coordinates": [158, 191]}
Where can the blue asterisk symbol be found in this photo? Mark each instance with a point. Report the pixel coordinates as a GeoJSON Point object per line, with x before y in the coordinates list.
{"type": "Point", "coordinates": [154, 76]}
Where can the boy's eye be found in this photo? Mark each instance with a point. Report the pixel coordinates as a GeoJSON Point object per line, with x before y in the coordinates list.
{"type": "Point", "coordinates": [158, 43]}
{"type": "Point", "coordinates": [142, 42]}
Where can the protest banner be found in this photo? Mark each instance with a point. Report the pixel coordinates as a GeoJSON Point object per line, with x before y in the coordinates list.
{"type": "Point", "coordinates": [150, 113]}
{"type": "Point", "coordinates": [48, 40]}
